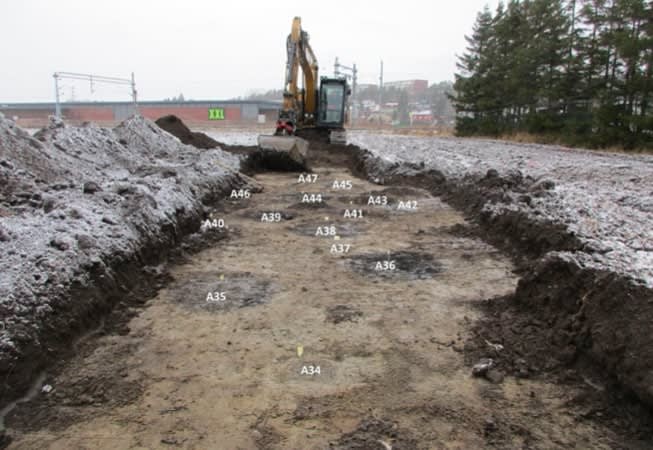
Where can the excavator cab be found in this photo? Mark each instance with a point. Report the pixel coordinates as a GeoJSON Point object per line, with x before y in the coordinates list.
{"type": "Point", "coordinates": [332, 105]}
{"type": "Point", "coordinates": [333, 97]}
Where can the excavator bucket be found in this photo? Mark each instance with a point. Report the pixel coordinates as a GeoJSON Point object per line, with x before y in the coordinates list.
{"type": "Point", "coordinates": [282, 153]}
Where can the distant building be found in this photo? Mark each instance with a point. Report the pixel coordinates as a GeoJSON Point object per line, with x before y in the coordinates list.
{"type": "Point", "coordinates": [413, 87]}
{"type": "Point", "coordinates": [193, 112]}
{"type": "Point", "coordinates": [421, 118]}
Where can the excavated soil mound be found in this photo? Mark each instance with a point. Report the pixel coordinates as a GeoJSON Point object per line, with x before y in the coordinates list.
{"type": "Point", "coordinates": [173, 125]}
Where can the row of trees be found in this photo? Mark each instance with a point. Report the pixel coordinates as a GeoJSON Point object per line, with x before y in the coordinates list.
{"type": "Point", "coordinates": [580, 71]}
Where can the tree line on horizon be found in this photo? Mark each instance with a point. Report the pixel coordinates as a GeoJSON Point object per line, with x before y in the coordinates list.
{"type": "Point", "coordinates": [573, 71]}
{"type": "Point", "coordinates": [435, 98]}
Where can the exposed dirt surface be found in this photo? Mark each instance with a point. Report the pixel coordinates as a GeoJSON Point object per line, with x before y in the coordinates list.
{"type": "Point", "coordinates": [173, 125]}
{"type": "Point", "coordinates": [394, 370]}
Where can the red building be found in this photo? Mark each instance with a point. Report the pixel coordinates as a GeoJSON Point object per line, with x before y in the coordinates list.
{"type": "Point", "coordinates": [414, 88]}
{"type": "Point", "coordinates": [194, 112]}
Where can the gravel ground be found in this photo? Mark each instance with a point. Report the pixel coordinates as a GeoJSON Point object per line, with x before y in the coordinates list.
{"type": "Point", "coordinates": [74, 202]}
{"type": "Point", "coordinates": [605, 199]}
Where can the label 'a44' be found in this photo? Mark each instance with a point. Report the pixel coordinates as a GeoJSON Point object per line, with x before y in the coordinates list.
{"type": "Point", "coordinates": [312, 198]}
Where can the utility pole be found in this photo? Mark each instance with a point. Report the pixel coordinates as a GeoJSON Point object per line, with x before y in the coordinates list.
{"type": "Point", "coordinates": [92, 79]}
{"type": "Point", "coordinates": [57, 104]}
{"type": "Point", "coordinates": [353, 76]}
{"type": "Point", "coordinates": [134, 93]}
{"type": "Point", "coordinates": [381, 85]}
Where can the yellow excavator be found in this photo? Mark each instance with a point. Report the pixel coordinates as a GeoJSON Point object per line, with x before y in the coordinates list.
{"type": "Point", "coordinates": [308, 109]}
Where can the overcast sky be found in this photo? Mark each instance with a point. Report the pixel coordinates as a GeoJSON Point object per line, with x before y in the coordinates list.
{"type": "Point", "coordinates": [219, 49]}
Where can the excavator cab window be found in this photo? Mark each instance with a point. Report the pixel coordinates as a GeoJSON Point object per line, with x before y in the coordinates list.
{"type": "Point", "coordinates": [332, 102]}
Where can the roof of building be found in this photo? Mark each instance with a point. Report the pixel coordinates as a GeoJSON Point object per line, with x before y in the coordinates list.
{"type": "Point", "coordinates": [50, 105]}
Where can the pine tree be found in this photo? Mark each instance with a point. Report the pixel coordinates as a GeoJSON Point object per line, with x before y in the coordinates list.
{"type": "Point", "coordinates": [579, 70]}
{"type": "Point", "coordinates": [549, 27]}
{"type": "Point", "coordinates": [468, 82]}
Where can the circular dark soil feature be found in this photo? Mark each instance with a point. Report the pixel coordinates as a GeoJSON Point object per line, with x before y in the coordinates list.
{"type": "Point", "coordinates": [207, 291]}
{"type": "Point", "coordinates": [318, 205]}
{"type": "Point", "coordinates": [258, 215]}
{"type": "Point", "coordinates": [346, 229]}
{"type": "Point", "coordinates": [393, 195]}
{"type": "Point", "coordinates": [342, 313]}
{"type": "Point", "coordinates": [397, 265]}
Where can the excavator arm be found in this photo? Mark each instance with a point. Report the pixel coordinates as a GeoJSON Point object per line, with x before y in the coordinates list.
{"type": "Point", "coordinates": [299, 105]}
{"type": "Point", "coordinates": [303, 108]}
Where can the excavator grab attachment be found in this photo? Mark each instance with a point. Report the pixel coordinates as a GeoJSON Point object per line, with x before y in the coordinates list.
{"type": "Point", "coordinates": [284, 153]}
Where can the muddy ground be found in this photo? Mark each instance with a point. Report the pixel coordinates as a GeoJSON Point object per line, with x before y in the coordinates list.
{"type": "Point", "coordinates": [395, 325]}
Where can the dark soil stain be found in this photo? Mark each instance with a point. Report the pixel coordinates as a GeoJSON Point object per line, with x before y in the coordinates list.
{"type": "Point", "coordinates": [342, 313]}
{"type": "Point", "coordinates": [341, 229]}
{"type": "Point", "coordinates": [219, 292]}
{"type": "Point", "coordinates": [397, 265]}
